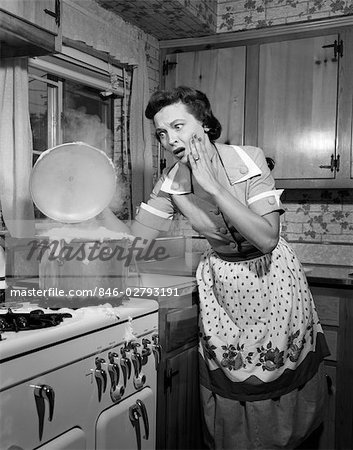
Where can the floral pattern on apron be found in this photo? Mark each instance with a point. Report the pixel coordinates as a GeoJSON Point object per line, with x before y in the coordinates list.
{"type": "Point", "coordinates": [257, 317]}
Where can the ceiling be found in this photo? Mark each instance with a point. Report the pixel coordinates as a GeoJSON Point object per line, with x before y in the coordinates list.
{"type": "Point", "coordinates": [167, 19]}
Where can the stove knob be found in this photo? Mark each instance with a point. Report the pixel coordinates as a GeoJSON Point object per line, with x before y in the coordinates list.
{"type": "Point", "coordinates": [125, 363]}
{"type": "Point", "coordinates": [140, 381]}
{"type": "Point", "coordinates": [113, 370]}
{"type": "Point", "coordinates": [146, 351]}
{"type": "Point", "coordinates": [101, 377]}
{"type": "Point", "coordinates": [136, 359]}
{"type": "Point", "coordinates": [157, 350]}
{"type": "Point", "coordinates": [117, 393]}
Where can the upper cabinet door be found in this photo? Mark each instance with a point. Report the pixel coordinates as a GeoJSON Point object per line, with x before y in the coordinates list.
{"type": "Point", "coordinates": [30, 27]}
{"type": "Point", "coordinates": [297, 106]}
{"type": "Point", "coordinates": [220, 74]}
{"type": "Point", "coordinates": [35, 12]}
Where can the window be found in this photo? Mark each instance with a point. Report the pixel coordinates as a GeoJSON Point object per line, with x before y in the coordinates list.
{"type": "Point", "coordinates": [44, 109]}
{"type": "Point", "coordinates": [73, 100]}
{"type": "Point", "coordinates": [63, 110]}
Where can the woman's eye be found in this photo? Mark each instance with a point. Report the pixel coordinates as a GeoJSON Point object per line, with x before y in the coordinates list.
{"type": "Point", "coordinates": [161, 135]}
{"type": "Point", "coordinates": [178, 126]}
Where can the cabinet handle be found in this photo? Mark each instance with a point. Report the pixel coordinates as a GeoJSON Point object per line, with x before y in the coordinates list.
{"type": "Point", "coordinates": [168, 379]}
{"type": "Point", "coordinates": [56, 13]}
{"type": "Point", "coordinates": [329, 384]}
{"type": "Point", "coordinates": [334, 164]}
{"type": "Point", "coordinates": [337, 48]}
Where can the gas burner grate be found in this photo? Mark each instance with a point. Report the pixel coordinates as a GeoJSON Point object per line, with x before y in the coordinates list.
{"type": "Point", "coordinates": [34, 320]}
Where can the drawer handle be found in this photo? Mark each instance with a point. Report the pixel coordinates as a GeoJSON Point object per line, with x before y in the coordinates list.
{"type": "Point", "coordinates": [329, 384]}
{"type": "Point", "coordinates": [168, 382]}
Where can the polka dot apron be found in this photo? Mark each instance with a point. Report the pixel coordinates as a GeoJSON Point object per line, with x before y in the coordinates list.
{"type": "Point", "coordinates": [258, 323]}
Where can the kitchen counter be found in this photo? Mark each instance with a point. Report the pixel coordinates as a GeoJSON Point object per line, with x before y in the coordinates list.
{"type": "Point", "coordinates": [174, 265]}
{"type": "Point", "coordinates": [329, 275]}
{"type": "Point", "coordinates": [167, 289]}
{"type": "Point", "coordinates": [317, 274]}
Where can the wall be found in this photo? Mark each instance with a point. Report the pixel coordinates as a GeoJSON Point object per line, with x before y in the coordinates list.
{"type": "Point", "coordinates": [120, 157]}
{"type": "Point", "coordinates": [236, 15]}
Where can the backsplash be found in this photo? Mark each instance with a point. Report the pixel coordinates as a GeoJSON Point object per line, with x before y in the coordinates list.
{"type": "Point", "coordinates": [236, 15]}
{"type": "Point", "coordinates": [315, 216]}
{"type": "Point", "coordinates": [318, 215]}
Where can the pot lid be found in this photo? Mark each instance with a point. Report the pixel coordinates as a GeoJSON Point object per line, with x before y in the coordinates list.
{"type": "Point", "coordinates": [72, 182]}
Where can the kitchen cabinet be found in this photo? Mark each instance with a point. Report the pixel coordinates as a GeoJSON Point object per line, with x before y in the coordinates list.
{"type": "Point", "coordinates": [301, 96]}
{"type": "Point", "coordinates": [294, 98]}
{"type": "Point", "coordinates": [297, 106]}
{"type": "Point", "coordinates": [335, 309]}
{"type": "Point", "coordinates": [182, 400]}
{"type": "Point", "coordinates": [30, 28]}
{"type": "Point", "coordinates": [178, 403]}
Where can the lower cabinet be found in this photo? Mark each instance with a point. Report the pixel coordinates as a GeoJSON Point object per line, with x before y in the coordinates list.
{"type": "Point", "coordinates": [182, 400]}
{"type": "Point", "coordinates": [335, 310]}
{"type": "Point", "coordinates": [178, 405]}
{"type": "Point", "coordinates": [178, 402]}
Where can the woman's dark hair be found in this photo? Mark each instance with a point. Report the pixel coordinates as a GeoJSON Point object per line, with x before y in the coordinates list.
{"type": "Point", "coordinates": [270, 162]}
{"type": "Point", "coordinates": [196, 102]}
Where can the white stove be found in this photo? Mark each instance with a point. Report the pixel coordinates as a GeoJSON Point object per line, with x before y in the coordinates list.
{"type": "Point", "coordinates": [87, 383]}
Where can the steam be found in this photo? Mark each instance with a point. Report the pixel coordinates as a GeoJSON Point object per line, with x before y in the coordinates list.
{"type": "Point", "coordinates": [78, 126]}
{"type": "Point", "coordinates": [88, 128]}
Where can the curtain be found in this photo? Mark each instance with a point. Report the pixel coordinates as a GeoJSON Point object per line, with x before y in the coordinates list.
{"type": "Point", "coordinates": [140, 133]}
{"type": "Point", "coordinates": [15, 148]}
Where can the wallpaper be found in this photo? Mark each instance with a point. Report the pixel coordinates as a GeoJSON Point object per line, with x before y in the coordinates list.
{"type": "Point", "coordinates": [235, 15]}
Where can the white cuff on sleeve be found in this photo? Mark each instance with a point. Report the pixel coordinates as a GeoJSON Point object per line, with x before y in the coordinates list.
{"type": "Point", "coordinates": [275, 193]}
{"type": "Point", "coordinates": [155, 211]}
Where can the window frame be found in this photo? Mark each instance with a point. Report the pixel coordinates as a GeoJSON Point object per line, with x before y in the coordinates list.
{"type": "Point", "coordinates": [73, 65]}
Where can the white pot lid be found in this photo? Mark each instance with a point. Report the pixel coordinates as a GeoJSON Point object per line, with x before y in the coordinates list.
{"type": "Point", "coordinates": [72, 182]}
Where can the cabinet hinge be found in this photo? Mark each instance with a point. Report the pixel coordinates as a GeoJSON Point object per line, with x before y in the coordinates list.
{"type": "Point", "coordinates": [334, 165]}
{"type": "Point", "coordinates": [168, 65]}
{"type": "Point", "coordinates": [337, 48]}
{"type": "Point", "coordinates": [56, 13]}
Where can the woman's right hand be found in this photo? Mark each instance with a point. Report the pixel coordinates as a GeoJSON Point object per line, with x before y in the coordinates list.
{"type": "Point", "coordinates": [201, 166]}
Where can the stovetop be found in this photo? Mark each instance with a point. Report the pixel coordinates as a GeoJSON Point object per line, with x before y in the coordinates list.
{"type": "Point", "coordinates": [66, 323]}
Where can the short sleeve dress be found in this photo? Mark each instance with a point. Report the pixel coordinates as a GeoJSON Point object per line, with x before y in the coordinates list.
{"type": "Point", "coordinates": [260, 337]}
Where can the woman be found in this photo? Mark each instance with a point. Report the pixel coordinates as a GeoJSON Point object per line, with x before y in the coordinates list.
{"type": "Point", "coordinates": [261, 345]}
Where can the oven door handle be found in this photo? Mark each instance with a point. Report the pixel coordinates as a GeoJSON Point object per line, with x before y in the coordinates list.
{"type": "Point", "coordinates": [144, 415]}
{"type": "Point", "coordinates": [42, 393]}
{"type": "Point", "coordinates": [134, 416]}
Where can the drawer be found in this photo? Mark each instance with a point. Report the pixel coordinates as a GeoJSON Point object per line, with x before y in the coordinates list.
{"type": "Point", "coordinates": [331, 339]}
{"type": "Point", "coordinates": [327, 302]}
{"type": "Point", "coordinates": [181, 327]}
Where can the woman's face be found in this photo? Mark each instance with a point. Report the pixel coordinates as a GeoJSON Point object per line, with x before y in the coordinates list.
{"type": "Point", "coordinates": [175, 127]}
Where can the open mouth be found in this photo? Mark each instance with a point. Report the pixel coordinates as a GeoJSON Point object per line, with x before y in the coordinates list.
{"type": "Point", "coordinates": [178, 151]}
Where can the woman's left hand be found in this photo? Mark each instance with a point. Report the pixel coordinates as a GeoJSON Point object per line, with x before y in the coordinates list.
{"type": "Point", "coordinates": [201, 166]}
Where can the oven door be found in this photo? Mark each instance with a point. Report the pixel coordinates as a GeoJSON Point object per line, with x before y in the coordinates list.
{"type": "Point", "coordinates": [73, 439]}
{"type": "Point", "coordinates": [129, 425]}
